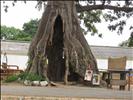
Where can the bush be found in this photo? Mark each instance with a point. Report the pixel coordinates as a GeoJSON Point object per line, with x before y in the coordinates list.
{"type": "Point", "coordinates": [30, 76]}
{"type": "Point", "coordinates": [23, 75]}
{"type": "Point", "coordinates": [12, 78]}
{"type": "Point", "coordinates": [33, 77]}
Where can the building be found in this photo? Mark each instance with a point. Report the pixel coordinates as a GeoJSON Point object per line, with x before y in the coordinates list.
{"type": "Point", "coordinates": [17, 54]}
{"type": "Point", "coordinates": [100, 52]}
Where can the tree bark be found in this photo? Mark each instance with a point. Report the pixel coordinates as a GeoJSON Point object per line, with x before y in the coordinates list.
{"type": "Point", "coordinates": [59, 30]}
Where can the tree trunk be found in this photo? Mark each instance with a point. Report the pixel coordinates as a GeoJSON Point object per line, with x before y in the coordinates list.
{"type": "Point", "coordinates": [60, 40]}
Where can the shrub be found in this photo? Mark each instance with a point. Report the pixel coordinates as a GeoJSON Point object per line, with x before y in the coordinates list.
{"type": "Point", "coordinates": [33, 77]}
{"type": "Point", "coordinates": [30, 76]}
{"type": "Point", "coordinates": [11, 78]}
{"type": "Point", "coordinates": [23, 75]}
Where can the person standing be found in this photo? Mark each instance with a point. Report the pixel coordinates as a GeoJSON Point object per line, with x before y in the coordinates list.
{"type": "Point", "coordinates": [4, 61]}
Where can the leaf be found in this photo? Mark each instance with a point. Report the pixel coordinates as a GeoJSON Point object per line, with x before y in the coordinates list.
{"type": "Point", "coordinates": [100, 35]}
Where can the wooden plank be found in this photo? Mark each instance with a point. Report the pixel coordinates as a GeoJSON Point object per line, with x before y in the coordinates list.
{"type": "Point", "coordinates": [118, 82]}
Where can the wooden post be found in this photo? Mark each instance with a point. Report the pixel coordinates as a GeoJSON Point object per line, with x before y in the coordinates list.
{"type": "Point", "coordinates": [109, 79]}
{"type": "Point", "coordinates": [122, 77]}
{"type": "Point", "coordinates": [67, 67]}
{"type": "Point", "coordinates": [129, 80]}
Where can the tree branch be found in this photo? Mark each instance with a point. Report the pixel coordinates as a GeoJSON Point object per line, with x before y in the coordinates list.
{"type": "Point", "coordinates": [102, 7]}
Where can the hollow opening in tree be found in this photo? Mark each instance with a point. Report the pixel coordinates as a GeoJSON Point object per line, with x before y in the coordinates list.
{"type": "Point", "coordinates": [56, 65]}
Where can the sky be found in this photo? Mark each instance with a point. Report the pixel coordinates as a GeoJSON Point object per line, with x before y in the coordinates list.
{"type": "Point", "coordinates": [22, 13]}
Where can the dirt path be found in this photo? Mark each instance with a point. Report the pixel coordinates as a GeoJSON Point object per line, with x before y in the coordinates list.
{"type": "Point", "coordinates": [69, 91]}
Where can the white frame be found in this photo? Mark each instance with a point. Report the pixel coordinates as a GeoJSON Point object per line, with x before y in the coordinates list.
{"type": "Point", "coordinates": [96, 79]}
{"type": "Point", "coordinates": [88, 75]}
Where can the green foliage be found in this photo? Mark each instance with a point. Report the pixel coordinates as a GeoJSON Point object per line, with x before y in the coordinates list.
{"type": "Point", "coordinates": [89, 18]}
{"type": "Point", "coordinates": [127, 43]}
{"type": "Point", "coordinates": [30, 76]}
{"type": "Point", "coordinates": [131, 40]}
{"type": "Point", "coordinates": [124, 43]}
{"type": "Point", "coordinates": [9, 32]}
{"type": "Point", "coordinates": [23, 37]}
{"type": "Point", "coordinates": [12, 78]}
{"type": "Point", "coordinates": [23, 75]}
{"type": "Point", "coordinates": [34, 77]}
{"type": "Point", "coordinates": [30, 27]}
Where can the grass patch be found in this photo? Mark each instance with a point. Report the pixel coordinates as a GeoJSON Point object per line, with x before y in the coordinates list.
{"type": "Point", "coordinates": [24, 76]}
{"type": "Point", "coordinates": [11, 78]}
{"type": "Point", "coordinates": [34, 77]}
{"type": "Point", "coordinates": [31, 77]}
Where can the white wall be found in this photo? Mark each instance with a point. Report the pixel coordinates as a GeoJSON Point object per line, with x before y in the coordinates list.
{"type": "Point", "coordinates": [103, 64]}
{"type": "Point", "coordinates": [21, 61]}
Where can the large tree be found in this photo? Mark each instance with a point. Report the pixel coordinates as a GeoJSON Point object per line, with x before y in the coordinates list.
{"type": "Point", "coordinates": [60, 39]}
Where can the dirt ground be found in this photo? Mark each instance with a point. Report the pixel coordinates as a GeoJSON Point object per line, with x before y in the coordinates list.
{"type": "Point", "coordinates": [72, 91]}
{"type": "Point", "coordinates": [62, 85]}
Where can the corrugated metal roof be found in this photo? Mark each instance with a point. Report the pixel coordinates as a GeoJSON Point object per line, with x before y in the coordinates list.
{"type": "Point", "coordinates": [101, 52]}
{"type": "Point", "coordinates": [106, 51]}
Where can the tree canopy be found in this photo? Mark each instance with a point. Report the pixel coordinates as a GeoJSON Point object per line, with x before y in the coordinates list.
{"type": "Point", "coordinates": [9, 32]}
{"type": "Point", "coordinates": [26, 34]}
{"type": "Point", "coordinates": [90, 12]}
{"type": "Point", "coordinates": [31, 27]}
{"type": "Point", "coordinates": [127, 43]}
